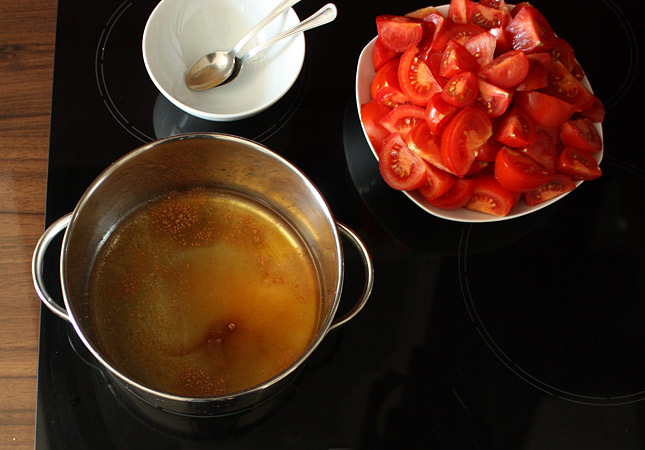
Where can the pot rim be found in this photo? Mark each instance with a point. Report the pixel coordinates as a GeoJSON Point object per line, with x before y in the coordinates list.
{"type": "Point", "coordinates": [322, 203]}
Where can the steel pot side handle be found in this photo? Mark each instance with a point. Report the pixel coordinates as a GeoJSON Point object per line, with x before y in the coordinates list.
{"type": "Point", "coordinates": [37, 263]}
{"type": "Point", "coordinates": [369, 276]}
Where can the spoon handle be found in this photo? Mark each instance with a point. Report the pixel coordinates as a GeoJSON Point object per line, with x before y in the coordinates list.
{"type": "Point", "coordinates": [324, 15]}
{"type": "Point", "coordinates": [283, 6]}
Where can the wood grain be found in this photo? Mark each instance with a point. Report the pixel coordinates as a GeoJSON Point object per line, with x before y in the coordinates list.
{"type": "Point", "coordinates": [27, 34]}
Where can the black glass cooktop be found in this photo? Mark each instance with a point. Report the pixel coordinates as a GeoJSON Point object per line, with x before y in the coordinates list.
{"type": "Point", "coordinates": [523, 334]}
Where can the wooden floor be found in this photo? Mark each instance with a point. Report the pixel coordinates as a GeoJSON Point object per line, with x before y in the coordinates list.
{"type": "Point", "coordinates": [27, 33]}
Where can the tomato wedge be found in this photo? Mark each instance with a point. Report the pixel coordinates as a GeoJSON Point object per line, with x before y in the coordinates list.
{"type": "Point", "coordinates": [386, 75]}
{"type": "Point", "coordinates": [565, 86]}
{"type": "Point", "coordinates": [427, 145]}
{"type": "Point", "coordinates": [456, 59]}
{"type": "Point", "coordinates": [543, 151]}
{"type": "Point", "coordinates": [461, 90]}
{"type": "Point", "coordinates": [490, 197]}
{"type": "Point", "coordinates": [462, 139]}
{"type": "Point", "coordinates": [398, 33]}
{"type": "Point", "coordinates": [485, 16]}
{"type": "Point", "coordinates": [507, 70]}
{"type": "Point", "coordinates": [437, 183]}
{"type": "Point", "coordinates": [596, 112]}
{"type": "Point", "coordinates": [381, 54]}
{"type": "Point", "coordinates": [458, 11]}
{"type": "Point", "coordinates": [438, 113]}
{"type": "Point", "coordinates": [371, 114]}
{"type": "Point", "coordinates": [492, 100]}
{"type": "Point", "coordinates": [482, 47]}
{"type": "Point", "coordinates": [547, 111]}
{"type": "Point", "coordinates": [578, 164]}
{"type": "Point", "coordinates": [415, 78]}
{"type": "Point", "coordinates": [459, 32]}
{"type": "Point", "coordinates": [517, 172]}
{"type": "Point", "coordinates": [399, 166]}
{"type": "Point", "coordinates": [530, 32]}
{"type": "Point", "coordinates": [558, 185]}
{"type": "Point", "coordinates": [402, 119]}
{"type": "Point", "coordinates": [515, 129]}
{"type": "Point", "coordinates": [580, 133]}
{"type": "Point", "coordinates": [458, 195]}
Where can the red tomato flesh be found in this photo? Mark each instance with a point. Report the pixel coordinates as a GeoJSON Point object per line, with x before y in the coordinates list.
{"type": "Point", "coordinates": [545, 110]}
{"type": "Point", "coordinates": [530, 31]}
{"type": "Point", "coordinates": [399, 166]}
{"type": "Point", "coordinates": [490, 197]}
{"type": "Point", "coordinates": [437, 183]}
{"type": "Point", "coordinates": [458, 195]}
{"type": "Point", "coordinates": [559, 184]}
{"type": "Point", "coordinates": [507, 70]}
{"type": "Point", "coordinates": [461, 90]}
{"type": "Point", "coordinates": [517, 172]}
{"type": "Point", "coordinates": [515, 129]}
{"type": "Point", "coordinates": [580, 133]}
{"type": "Point", "coordinates": [462, 139]}
{"type": "Point", "coordinates": [415, 78]}
{"type": "Point", "coordinates": [398, 33]}
{"type": "Point", "coordinates": [402, 119]}
{"type": "Point", "coordinates": [578, 164]}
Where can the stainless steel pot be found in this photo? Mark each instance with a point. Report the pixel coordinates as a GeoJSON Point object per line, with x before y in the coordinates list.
{"type": "Point", "coordinates": [186, 161]}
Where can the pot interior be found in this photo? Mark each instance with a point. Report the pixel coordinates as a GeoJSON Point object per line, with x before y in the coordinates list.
{"type": "Point", "coordinates": [183, 163]}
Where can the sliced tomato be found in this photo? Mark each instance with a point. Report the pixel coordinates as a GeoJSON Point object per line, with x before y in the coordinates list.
{"type": "Point", "coordinates": [438, 113]}
{"type": "Point", "coordinates": [433, 60]}
{"type": "Point", "coordinates": [507, 70]}
{"type": "Point", "coordinates": [422, 13]}
{"type": "Point", "coordinates": [578, 72]}
{"type": "Point", "coordinates": [461, 90]}
{"type": "Point", "coordinates": [515, 129]}
{"type": "Point", "coordinates": [558, 184]}
{"type": "Point", "coordinates": [456, 59]}
{"type": "Point", "coordinates": [535, 78]}
{"type": "Point", "coordinates": [459, 32]}
{"type": "Point", "coordinates": [530, 31]}
{"type": "Point", "coordinates": [462, 139]}
{"type": "Point", "coordinates": [488, 151]}
{"type": "Point", "coordinates": [458, 11]}
{"type": "Point", "coordinates": [480, 168]}
{"type": "Point", "coordinates": [490, 197]}
{"type": "Point", "coordinates": [399, 166]}
{"type": "Point", "coordinates": [563, 52]}
{"type": "Point", "coordinates": [427, 145]}
{"type": "Point", "coordinates": [552, 133]}
{"type": "Point", "coordinates": [437, 183]}
{"type": "Point", "coordinates": [402, 119]}
{"type": "Point", "coordinates": [578, 164]}
{"type": "Point", "coordinates": [415, 78]}
{"type": "Point", "coordinates": [482, 47]}
{"type": "Point", "coordinates": [486, 16]}
{"type": "Point", "coordinates": [565, 86]}
{"type": "Point", "coordinates": [517, 172]}
{"type": "Point", "coordinates": [497, 4]}
{"type": "Point", "coordinates": [398, 33]}
{"type": "Point", "coordinates": [502, 40]}
{"type": "Point", "coordinates": [580, 133]}
{"type": "Point", "coordinates": [543, 151]}
{"type": "Point", "coordinates": [546, 110]}
{"type": "Point", "coordinates": [371, 113]}
{"type": "Point", "coordinates": [596, 112]}
{"type": "Point", "coordinates": [384, 76]}
{"type": "Point", "coordinates": [391, 96]}
{"type": "Point", "coordinates": [492, 100]}
{"type": "Point", "coordinates": [381, 54]}
{"type": "Point", "coordinates": [458, 195]}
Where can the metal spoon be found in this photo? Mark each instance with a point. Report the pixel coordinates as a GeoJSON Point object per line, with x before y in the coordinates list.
{"type": "Point", "coordinates": [222, 67]}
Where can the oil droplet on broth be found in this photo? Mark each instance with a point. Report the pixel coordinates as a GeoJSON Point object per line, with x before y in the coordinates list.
{"type": "Point", "coordinates": [202, 293]}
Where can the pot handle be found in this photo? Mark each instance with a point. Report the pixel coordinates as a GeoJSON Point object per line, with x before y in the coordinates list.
{"type": "Point", "coordinates": [37, 263]}
{"type": "Point", "coordinates": [369, 276]}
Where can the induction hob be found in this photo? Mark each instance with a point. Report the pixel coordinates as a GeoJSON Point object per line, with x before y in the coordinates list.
{"type": "Point", "coordinates": [522, 334]}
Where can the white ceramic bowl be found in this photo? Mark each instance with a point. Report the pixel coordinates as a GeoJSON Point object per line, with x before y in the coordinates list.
{"type": "Point", "coordinates": [364, 75]}
{"type": "Point", "coordinates": [179, 32]}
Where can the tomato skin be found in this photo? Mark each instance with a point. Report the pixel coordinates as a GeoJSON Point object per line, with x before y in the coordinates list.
{"type": "Point", "coordinates": [402, 119]}
{"type": "Point", "coordinates": [486, 16]}
{"type": "Point", "coordinates": [391, 96]}
{"type": "Point", "coordinates": [398, 33]}
{"type": "Point", "coordinates": [517, 172]}
{"type": "Point", "coordinates": [399, 166]}
{"type": "Point", "coordinates": [507, 70]}
{"type": "Point", "coordinates": [580, 133]}
{"type": "Point", "coordinates": [543, 151]}
{"type": "Point", "coordinates": [490, 197]}
{"type": "Point", "coordinates": [437, 183]}
{"type": "Point", "coordinates": [535, 79]}
{"type": "Point", "coordinates": [371, 113]}
{"type": "Point", "coordinates": [488, 151]}
{"type": "Point", "coordinates": [462, 139]}
{"type": "Point", "coordinates": [563, 52]}
{"type": "Point", "coordinates": [415, 78]}
{"type": "Point", "coordinates": [461, 90]}
{"type": "Point", "coordinates": [458, 195]}
{"type": "Point", "coordinates": [530, 31]}
{"type": "Point", "coordinates": [458, 11]}
{"type": "Point", "coordinates": [387, 74]}
{"type": "Point", "coordinates": [456, 59]}
{"type": "Point", "coordinates": [503, 40]}
{"type": "Point", "coordinates": [482, 47]}
{"type": "Point", "coordinates": [515, 129]}
{"type": "Point", "coordinates": [459, 32]}
{"type": "Point", "coordinates": [381, 54]}
{"type": "Point", "coordinates": [578, 164]}
{"type": "Point", "coordinates": [545, 110]}
{"type": "Point", "coordinates": [492, 100]}
{"type": "Point", "coordinates": [559, 184]}
{"type": "Point", "coordinates": [438, 113]}
{"type": "Point", "coordinates": [596, 112]}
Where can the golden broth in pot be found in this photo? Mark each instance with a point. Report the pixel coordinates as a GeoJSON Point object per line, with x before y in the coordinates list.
{"type": "Point", "coordinates": [202, 293]}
